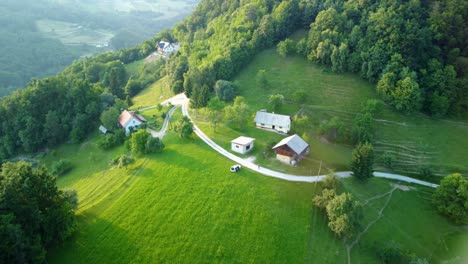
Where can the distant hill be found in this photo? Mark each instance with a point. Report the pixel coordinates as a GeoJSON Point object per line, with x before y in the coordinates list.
{"type": "Point", "coordinates": [51, 34]}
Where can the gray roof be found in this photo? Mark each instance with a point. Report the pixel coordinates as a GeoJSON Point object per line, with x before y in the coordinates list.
{"type": "Point", "coordinates": [272, 119]}
{"type": "Point", "coordinates": [295, 142]}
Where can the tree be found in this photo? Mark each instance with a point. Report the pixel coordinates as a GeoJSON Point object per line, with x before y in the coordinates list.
{"type": "Point", "coordinates": [133, 87]}
{"type": "Point", "coordinates": [184, 127]}
{"type": "Point", "coordinates": [362, 161]}
{"type": "Point", "coordinates": [225, 90]}
{"type": "Point", "coordinates": [124, 161]}
{"type": "Point", "coordinates": [300, 124]}
{"type": "Point", "coordinates": [215, 112]}
{"type": "Point", "coordinates": [275, 101]}
{"type": "Point", "coordinates": [237, 113]}
{"type": "Point", "coordinates": [321, 201]}
{"type": "Point", "coordinates": [61, 167]}
{"type": "Point", "coordinates": [28, 228]}
{"type": "Point", "coordinates": [154, 145]}
{"type": "Point", "coordinates": [344, 215]}
{"type": "Point", "coordinates": [109, 118]}
{"type": "Point", "coordinates": [331, 129]}
{"type": "Point", "coordinates": [137, 142]}
{"type": "Point", "coordinates": [451, 198]}
{"type": "Point", "coordinates": [407, 95]}
{"type": "Point", "coordinates": [286, 47]}
{"type": "Point", "coordinates": [116, 79]}
{"type": "Point", "coordinates": [362, 128]}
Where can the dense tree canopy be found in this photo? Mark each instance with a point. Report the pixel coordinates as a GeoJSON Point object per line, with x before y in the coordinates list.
{"type": "Point", "coordinates": [34, 214]}
{"type": "Point", "coordinates": [451, 198]}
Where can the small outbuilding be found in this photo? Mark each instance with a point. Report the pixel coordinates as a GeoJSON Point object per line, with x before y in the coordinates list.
{"type": "Point", "coordinates": [291, 150]}
{"type": "Point", "coordinates": [103, 130]}
{"type": "Point", "coordinates": [280, 123]}
{"type": "Point", "coordinates": [242, 144]}
{"type": "Point", "coordinates": [130, 121]}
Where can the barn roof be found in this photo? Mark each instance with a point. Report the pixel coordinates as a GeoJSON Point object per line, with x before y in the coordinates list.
{"type": "Point", "coordinates": [272, 119]}
{"type": "Point", "coordinates": [243, 140]}
{"type": "Point", "coordinates": [295, 142]}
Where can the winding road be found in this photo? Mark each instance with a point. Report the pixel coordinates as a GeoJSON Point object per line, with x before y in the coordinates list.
{"type": "Point", "coordinates": [182, 100]}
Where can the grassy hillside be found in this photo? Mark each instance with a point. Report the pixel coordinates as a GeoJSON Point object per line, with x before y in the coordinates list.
{"type": "Point", "coordinates": [414, 140]}
{"type": "Point", "coordinates": [185, 206]}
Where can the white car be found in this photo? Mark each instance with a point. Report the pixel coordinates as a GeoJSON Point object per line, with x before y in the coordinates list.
{"type": "Point", "coordinates": [235, 168]}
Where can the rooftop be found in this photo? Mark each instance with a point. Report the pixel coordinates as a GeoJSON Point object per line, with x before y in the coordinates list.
{"type": "Point", "coordinates": [295, 142]}
{"type": "Point", "coordinates": [243, 140]}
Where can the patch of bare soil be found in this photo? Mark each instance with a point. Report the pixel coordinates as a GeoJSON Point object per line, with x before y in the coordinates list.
{"type": "Point", "coordinates": [402, 187]}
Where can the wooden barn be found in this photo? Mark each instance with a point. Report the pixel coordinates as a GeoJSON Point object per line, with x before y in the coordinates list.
{"type": "Point", "coordinates": [291, 150]}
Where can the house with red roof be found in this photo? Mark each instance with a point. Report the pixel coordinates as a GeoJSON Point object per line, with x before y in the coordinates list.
{"type": "Point", "coordinates": [130, 121]}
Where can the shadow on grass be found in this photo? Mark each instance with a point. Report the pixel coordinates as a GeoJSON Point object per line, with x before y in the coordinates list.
{"type": "Point", "coordinates": [93, 228]}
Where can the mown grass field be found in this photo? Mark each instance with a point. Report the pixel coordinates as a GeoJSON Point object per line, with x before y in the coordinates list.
{"type": "Point", "coordinates": [153, 95]}
{"type": "Point", "coordinates": [414, 140]}
{"type": "Point", "coordinates": [184, 206]}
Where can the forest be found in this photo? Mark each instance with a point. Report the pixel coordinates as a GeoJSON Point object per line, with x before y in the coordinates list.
{"type": "Point", "coordinates": [35, 50]}
{"type": "Point", "coordinates": [415, 51]}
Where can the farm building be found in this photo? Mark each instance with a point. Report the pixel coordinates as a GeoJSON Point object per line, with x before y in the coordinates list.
{"type": "Point", "coordinates": [242, 144]}
{"type": "Point", "coordinates": [166, 48]}
{"type": "Point", "coordinates": [280, 123]}
{"type": "Point", "coordinates": [291, 150]}
{"type": "Point", "coordinates": [130, 121]}
{"type": "Point", "coordinates": [103, 130]}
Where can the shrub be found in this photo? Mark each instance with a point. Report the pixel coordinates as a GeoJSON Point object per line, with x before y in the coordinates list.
{"type": "Point", "coordinates": [332, 129]}
{"type": "Point", "coordinates": [387, 159]}
{"type": "Point", "coordinates": [61, 167]}
{"type": "Point", "coordinates": [154, 145]}
{"type": "Point", "coordinates": [286, 47]}
{"type": "Point", "coordinates": [225, 90]}
{"type": "Point", "coordinates": [392, 253]}
{"type": "Point", "coordinates": [111, 140]}
{"type": "Point", "coordinates": [362, 161]}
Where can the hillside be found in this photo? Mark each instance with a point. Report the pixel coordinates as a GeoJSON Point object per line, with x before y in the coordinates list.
{"type": "Point", "coordinates": [51, 34]}
{"type": "Point", "coordinates": [348, 73]}
{"type": "Point", "coordinates": [185, 205]}
{"type": "Point", "coordinates": [413, 141]}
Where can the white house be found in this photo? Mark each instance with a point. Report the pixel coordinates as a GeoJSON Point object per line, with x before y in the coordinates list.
{"type": "Point", "coordinates": [291, 150]}
{"type": "Point", "coordinates": [166, 48]}
{"type": "Point", "coordinates": [130, 121]}
{"type": "Point", "coordinates": [242, 144]}
{"type": "Point", "coordinates": [280, 123]}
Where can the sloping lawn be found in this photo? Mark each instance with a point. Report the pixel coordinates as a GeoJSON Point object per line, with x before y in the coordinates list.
{"type": "Point", "coordinates": [414, 140]}
{"type": "Point", "coordinates": [184, 206]}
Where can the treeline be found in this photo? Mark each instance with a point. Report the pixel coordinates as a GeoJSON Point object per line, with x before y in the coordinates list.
{"type": "Point", "coordinates": [413, 50]}
{"type": "Point", "coordinates": [67, 106]}
{"type": "Point", "coordinates": [221, 37]}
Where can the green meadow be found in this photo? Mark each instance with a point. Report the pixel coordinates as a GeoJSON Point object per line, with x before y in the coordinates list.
{"type": "Point", "coordinates": [185, 206]}
{"type": "Point", "coordinates": [414, 140]}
